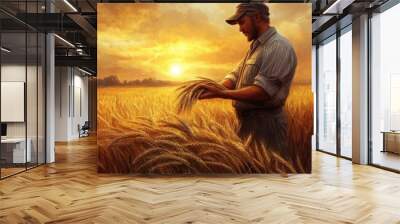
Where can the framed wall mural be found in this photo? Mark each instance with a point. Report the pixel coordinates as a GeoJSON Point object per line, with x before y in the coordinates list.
{"type": "Point", "coordinates": [204, 88]}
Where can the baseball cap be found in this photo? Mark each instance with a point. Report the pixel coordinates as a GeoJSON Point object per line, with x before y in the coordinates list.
{"type": "Point", "coordinates": [251, 7]}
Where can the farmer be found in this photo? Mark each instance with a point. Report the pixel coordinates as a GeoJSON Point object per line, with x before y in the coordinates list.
{"type": "Point", "coordinates": [261, 82]}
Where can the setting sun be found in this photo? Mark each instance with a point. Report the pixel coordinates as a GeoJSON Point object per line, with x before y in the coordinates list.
{"type": "Point", "coordinates": [175, 70]}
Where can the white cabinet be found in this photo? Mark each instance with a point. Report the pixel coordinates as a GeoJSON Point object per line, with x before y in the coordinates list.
{"type": "Point", "coordinates": [16, 147]}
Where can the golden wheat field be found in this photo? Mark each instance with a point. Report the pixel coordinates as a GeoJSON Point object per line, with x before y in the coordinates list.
{"type": "Point", "coordinates": [139, 131]}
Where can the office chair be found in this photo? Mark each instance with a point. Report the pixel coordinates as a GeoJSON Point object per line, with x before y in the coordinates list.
{"type": "Point", "coordinates": [84, 130]}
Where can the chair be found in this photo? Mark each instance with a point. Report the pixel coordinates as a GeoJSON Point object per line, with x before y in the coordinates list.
{"type": "Point", "coordinates": [84, 130]}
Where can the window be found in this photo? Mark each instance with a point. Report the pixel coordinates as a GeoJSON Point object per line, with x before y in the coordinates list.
{"type": "Point", "coordinates": [327, 95]}
{"type": "Point", "coordinates": [346, 75]}
{"type": "Point", "coordinates": [385, 89]}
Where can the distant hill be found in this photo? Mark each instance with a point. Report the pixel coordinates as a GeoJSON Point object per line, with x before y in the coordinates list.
{"type": "Point", "coordinates": [113, 81]}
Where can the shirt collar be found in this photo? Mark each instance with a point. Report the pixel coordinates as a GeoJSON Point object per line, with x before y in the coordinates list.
{"type": "Point", "coordinates": [267, 35]}
{"type": "Point", "coordinates": [264, 37]}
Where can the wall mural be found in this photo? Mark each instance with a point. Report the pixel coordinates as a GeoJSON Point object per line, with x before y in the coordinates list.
{"type": "Point", "coordinates": [204, 88]}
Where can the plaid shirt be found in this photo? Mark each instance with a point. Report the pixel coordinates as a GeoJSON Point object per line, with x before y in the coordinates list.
{"type": "Point", "coordinates": [270, 64]}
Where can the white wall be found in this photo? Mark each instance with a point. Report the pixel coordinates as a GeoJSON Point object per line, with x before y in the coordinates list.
{"type": "Point", "coordinates": [13, 73]}
{"type": "Point", "coordinates": [71, 94]}
{"type": "Point", "coordinates": [62, 81]}
{"type": "Point", "coordinates": [80, 110]}
{"type": "Point", "coordinates": [33, 127]}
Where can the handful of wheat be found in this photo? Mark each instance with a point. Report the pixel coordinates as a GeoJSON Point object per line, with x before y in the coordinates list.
{"type": "Point", "coordinates": [190, 91]}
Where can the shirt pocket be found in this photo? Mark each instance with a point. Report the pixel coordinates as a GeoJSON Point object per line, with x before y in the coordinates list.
{"type": "Point", "coordinates": [250, 71]}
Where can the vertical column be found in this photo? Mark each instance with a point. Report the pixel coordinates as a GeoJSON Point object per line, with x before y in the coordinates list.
{"type": "Point", "coordinates": [314, 91]}
{"type": "Point", "coordinates": [50, 92]}
{"type": "Point", "coordinates": [92, 99]}
{"type": "Point", "coordinates": [338, 91]}
{"type": "Point", "coordinates": [360, 90]}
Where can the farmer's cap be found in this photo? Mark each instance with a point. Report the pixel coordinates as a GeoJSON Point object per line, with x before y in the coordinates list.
{"type": "Point", "coordinates": [252, 7]}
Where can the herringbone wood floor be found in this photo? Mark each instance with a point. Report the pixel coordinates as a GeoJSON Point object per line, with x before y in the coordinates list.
{"type": "Point", "coordinates": [70, 191]}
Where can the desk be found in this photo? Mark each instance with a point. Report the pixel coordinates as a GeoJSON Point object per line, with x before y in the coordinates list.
{"type": "Point", "coordinates": [391, 141]}
{"type": "Point", "coordinates": [13, 150]}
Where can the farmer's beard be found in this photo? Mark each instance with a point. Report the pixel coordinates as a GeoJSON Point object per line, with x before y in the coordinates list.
{"type": "Point", "coordinates": [253, 33]}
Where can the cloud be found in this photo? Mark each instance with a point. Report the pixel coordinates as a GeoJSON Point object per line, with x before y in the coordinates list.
{"type": "Point", "coordinates": [143, 40]}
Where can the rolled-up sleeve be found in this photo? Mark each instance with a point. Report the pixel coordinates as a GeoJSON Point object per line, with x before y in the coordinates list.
{"type": "Point", "coordinates": [277, 67]}
{"type": "Point", "coordinates": [233, 75]}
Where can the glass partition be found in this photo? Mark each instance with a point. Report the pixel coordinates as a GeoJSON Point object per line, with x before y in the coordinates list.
{"type": "Point", "coordinates": [32, 96]}
{"type": "Point", "coordinates": [22, 88]}
{"type": "Point", "coordinates": [14, 153]}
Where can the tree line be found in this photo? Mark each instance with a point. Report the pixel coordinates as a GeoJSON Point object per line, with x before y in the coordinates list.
{"type": "Point", "coordinates": [113, 80]}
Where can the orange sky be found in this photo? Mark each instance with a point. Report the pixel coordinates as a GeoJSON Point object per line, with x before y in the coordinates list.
{"type": "Point", "coordinates": [182, 41]}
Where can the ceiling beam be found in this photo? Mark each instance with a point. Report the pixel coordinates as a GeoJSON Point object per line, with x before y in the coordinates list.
{"type": "Point", "coordinates": [81, 61]}
{"type": "Point", "coordinates": [337, 7]}
{"type": "Point", "coordinates": [84, 24]}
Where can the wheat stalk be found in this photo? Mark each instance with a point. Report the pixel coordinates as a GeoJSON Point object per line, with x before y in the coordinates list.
{"type": "Point", "coordinates": [189, 92]}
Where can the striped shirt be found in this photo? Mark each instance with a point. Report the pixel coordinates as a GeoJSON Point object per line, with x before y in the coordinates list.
{"type": "Point", "coordinates": [270, 63]}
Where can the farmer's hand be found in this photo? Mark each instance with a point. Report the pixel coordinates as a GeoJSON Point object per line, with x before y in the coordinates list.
{"type": "Point", "coordinates": [211, 92]}
{"type": "Point", "coordinates": [208, 95]}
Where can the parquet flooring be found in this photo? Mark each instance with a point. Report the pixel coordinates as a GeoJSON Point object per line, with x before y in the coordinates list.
{"type": "Point", "coordinates": [10, 171]}
{"type": "Point", "coordinates": [71, 191]}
